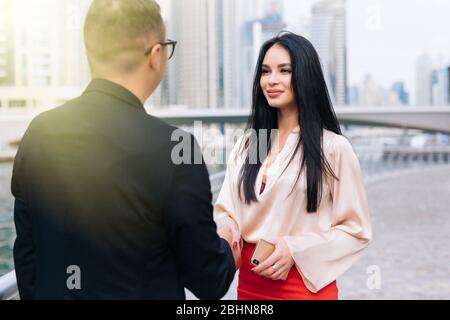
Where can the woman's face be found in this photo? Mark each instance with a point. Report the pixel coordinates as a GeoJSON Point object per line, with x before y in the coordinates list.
{"type": "Point", "coordinates": [276, 78]}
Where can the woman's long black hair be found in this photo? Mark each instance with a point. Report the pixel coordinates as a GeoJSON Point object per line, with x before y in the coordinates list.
{"type": "Point", "coordinates": [315, 113]}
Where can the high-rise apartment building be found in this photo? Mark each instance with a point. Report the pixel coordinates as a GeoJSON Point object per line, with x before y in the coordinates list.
{"type": "Point", "coordinates": [328, 35]}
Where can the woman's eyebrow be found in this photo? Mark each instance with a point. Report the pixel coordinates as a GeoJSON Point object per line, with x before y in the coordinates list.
{"type": "Point", "coordinates": [279, 66]}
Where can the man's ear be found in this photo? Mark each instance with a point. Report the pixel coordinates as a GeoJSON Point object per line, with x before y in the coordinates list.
{"type": "Point", "coordinates": [154, 58]}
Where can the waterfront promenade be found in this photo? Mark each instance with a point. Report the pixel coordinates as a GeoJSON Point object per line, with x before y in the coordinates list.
{"type": "Point", "coordinates": [410, 213]}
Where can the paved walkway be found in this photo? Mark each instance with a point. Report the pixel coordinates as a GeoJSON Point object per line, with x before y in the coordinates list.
{"type": "Point", "coordinates": [411, 247]}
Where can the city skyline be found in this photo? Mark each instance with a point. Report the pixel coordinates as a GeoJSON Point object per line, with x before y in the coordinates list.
{"type": "Point", "coordinates": [386, 38]}
{"type": "Point", "coordinates": [214, 63]}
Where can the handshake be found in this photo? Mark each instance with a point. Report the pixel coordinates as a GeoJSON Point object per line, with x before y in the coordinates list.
{"type": "Point", "coordinates": [228, 230]}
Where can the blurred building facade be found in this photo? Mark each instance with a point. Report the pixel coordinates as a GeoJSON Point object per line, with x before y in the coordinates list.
{"type": "Point", "coordinates": [440, 86]}
{"type": "Point", "coordinates": [6, 43]}
{"type": "Point", "coordinates": [328, 35]}
{"type": "Point", "coordinates": [41, 46]}
{"type": "Point", "coordinates": [432, 81]}
{"type": "Point", "coordinates": [205, 70]}
{"type": "Point", "coordinates": [48, 43]}
{"type": "Point", "coordinates": [371, 93]}
{"type": "Point", "coordinates": [400, 93]}
{"type": "Point", "coordinates": [423, 78]}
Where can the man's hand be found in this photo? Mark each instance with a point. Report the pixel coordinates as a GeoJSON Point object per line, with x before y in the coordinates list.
{"type": "Point", "coordinates": [230, 233]}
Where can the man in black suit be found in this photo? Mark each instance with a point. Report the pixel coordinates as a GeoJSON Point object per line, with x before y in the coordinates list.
{"type": "Point", "coordinates": [101, 209]}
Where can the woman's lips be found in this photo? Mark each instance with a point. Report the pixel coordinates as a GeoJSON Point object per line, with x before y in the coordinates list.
{"type": "Point", "coordinates": [274, 93]}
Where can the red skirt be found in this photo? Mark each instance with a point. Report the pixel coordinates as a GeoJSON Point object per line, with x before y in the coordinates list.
{"type": "Point", "coordinates": [255, 287]}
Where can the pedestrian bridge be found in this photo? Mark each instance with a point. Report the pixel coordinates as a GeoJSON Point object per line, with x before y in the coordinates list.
{"type": "Point", "coordinates": [428, 118]}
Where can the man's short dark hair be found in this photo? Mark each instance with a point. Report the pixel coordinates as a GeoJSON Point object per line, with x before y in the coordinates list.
{"type": "Point", "coordinates": [116, 33]}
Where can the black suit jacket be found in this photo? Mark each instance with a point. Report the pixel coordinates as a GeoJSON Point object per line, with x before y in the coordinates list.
{"type": "Point", "coordinates": [101, 211]}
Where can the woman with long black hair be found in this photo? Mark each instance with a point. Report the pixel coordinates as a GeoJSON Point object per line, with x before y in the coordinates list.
{"type": "Point", "coordinates": [304, 192]}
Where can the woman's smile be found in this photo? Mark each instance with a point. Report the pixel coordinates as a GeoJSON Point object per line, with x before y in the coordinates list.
{"type": "Point", "coordinates": [272, 93]}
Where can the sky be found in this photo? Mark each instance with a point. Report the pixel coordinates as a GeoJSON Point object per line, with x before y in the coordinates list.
{"type": "Point", "coordinates": [385, 37]}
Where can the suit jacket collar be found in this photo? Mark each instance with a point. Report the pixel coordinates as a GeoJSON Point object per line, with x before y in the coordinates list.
{"type": "Point", "coordinates": [113, 89]}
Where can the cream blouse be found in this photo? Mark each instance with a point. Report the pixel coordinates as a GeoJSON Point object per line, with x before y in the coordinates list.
{"type": "Point", "coordinates": [323, 244]}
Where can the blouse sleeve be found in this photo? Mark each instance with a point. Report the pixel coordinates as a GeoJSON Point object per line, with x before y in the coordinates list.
{"type": "Point", "coordinates": [225, 206]}
{"type": "Point", "coordinates": [322, 257]}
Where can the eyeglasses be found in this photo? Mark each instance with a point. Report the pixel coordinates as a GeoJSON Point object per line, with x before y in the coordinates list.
{"type": "Point", "coordinates": [171, 43]}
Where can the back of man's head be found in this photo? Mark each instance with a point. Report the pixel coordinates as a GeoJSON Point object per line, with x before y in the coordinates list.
{"type": "Point", "coordinates": [117, 33]}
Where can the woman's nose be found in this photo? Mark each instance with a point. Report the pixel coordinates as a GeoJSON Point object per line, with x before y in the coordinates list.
{"type": "Point", "coordinates": [273, 79]}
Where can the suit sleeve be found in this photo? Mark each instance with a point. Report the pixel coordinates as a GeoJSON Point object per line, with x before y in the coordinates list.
{"type": "Point", "coordinates": [205, 261]}
{"type": "Point", "coordinates": [24, 249]}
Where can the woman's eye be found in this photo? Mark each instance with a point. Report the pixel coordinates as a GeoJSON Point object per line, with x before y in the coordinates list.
{"type": "Point", "coordinates": [285, 71]}
{"type": "Point", "coordinates": [265, 71]}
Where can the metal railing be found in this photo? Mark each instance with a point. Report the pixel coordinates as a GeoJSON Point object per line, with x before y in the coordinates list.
{"type": "Point", "coordinates": [8, 286]}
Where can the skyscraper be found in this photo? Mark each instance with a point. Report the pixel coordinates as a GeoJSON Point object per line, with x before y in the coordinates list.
{"type": "Point", "coordinates": [353, 96]}
{"type": "Point", "coordinates": [194, 25]}
{"type": "Point", "coordinates": [42, 56]}
{"type": "Point", "coordinates": [205, 70]}
{"type": "Point", "coordinates": [440, 87]}
{"type": "Point", "coordinates": [424, 71]}
{"type": "Point", "coordinates": [228, 53]}
{"type": "Point", "coordinates": [48, 42]}
{"type": "Point", "coordinates": [371, 93]}
{"type": "Point", "coordinates": [399, 89]}
{"type": "Point", "coordinates": [6, 43]}
{"type": "Point", "coordinates": [166, 93]}
{"type": "Point", "coordinates": [328, 35]}
{"type": "Point", "coordinates": [448, 85]}
{"type": "Point", "coordinates": [75, 68]}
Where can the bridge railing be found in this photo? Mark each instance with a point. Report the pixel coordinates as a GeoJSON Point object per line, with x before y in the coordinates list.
{"type": "Point", "coordinates": [8, 286]}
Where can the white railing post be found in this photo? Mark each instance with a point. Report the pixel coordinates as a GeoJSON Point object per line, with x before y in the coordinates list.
{"type": "Point", "coordinates": [8, 286]}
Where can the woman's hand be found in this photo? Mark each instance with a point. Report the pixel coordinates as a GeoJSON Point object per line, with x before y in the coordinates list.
{"type": "Point", "coordinates": [228, 229]}
{"type": "Point", "coordinates": [278, 263]}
